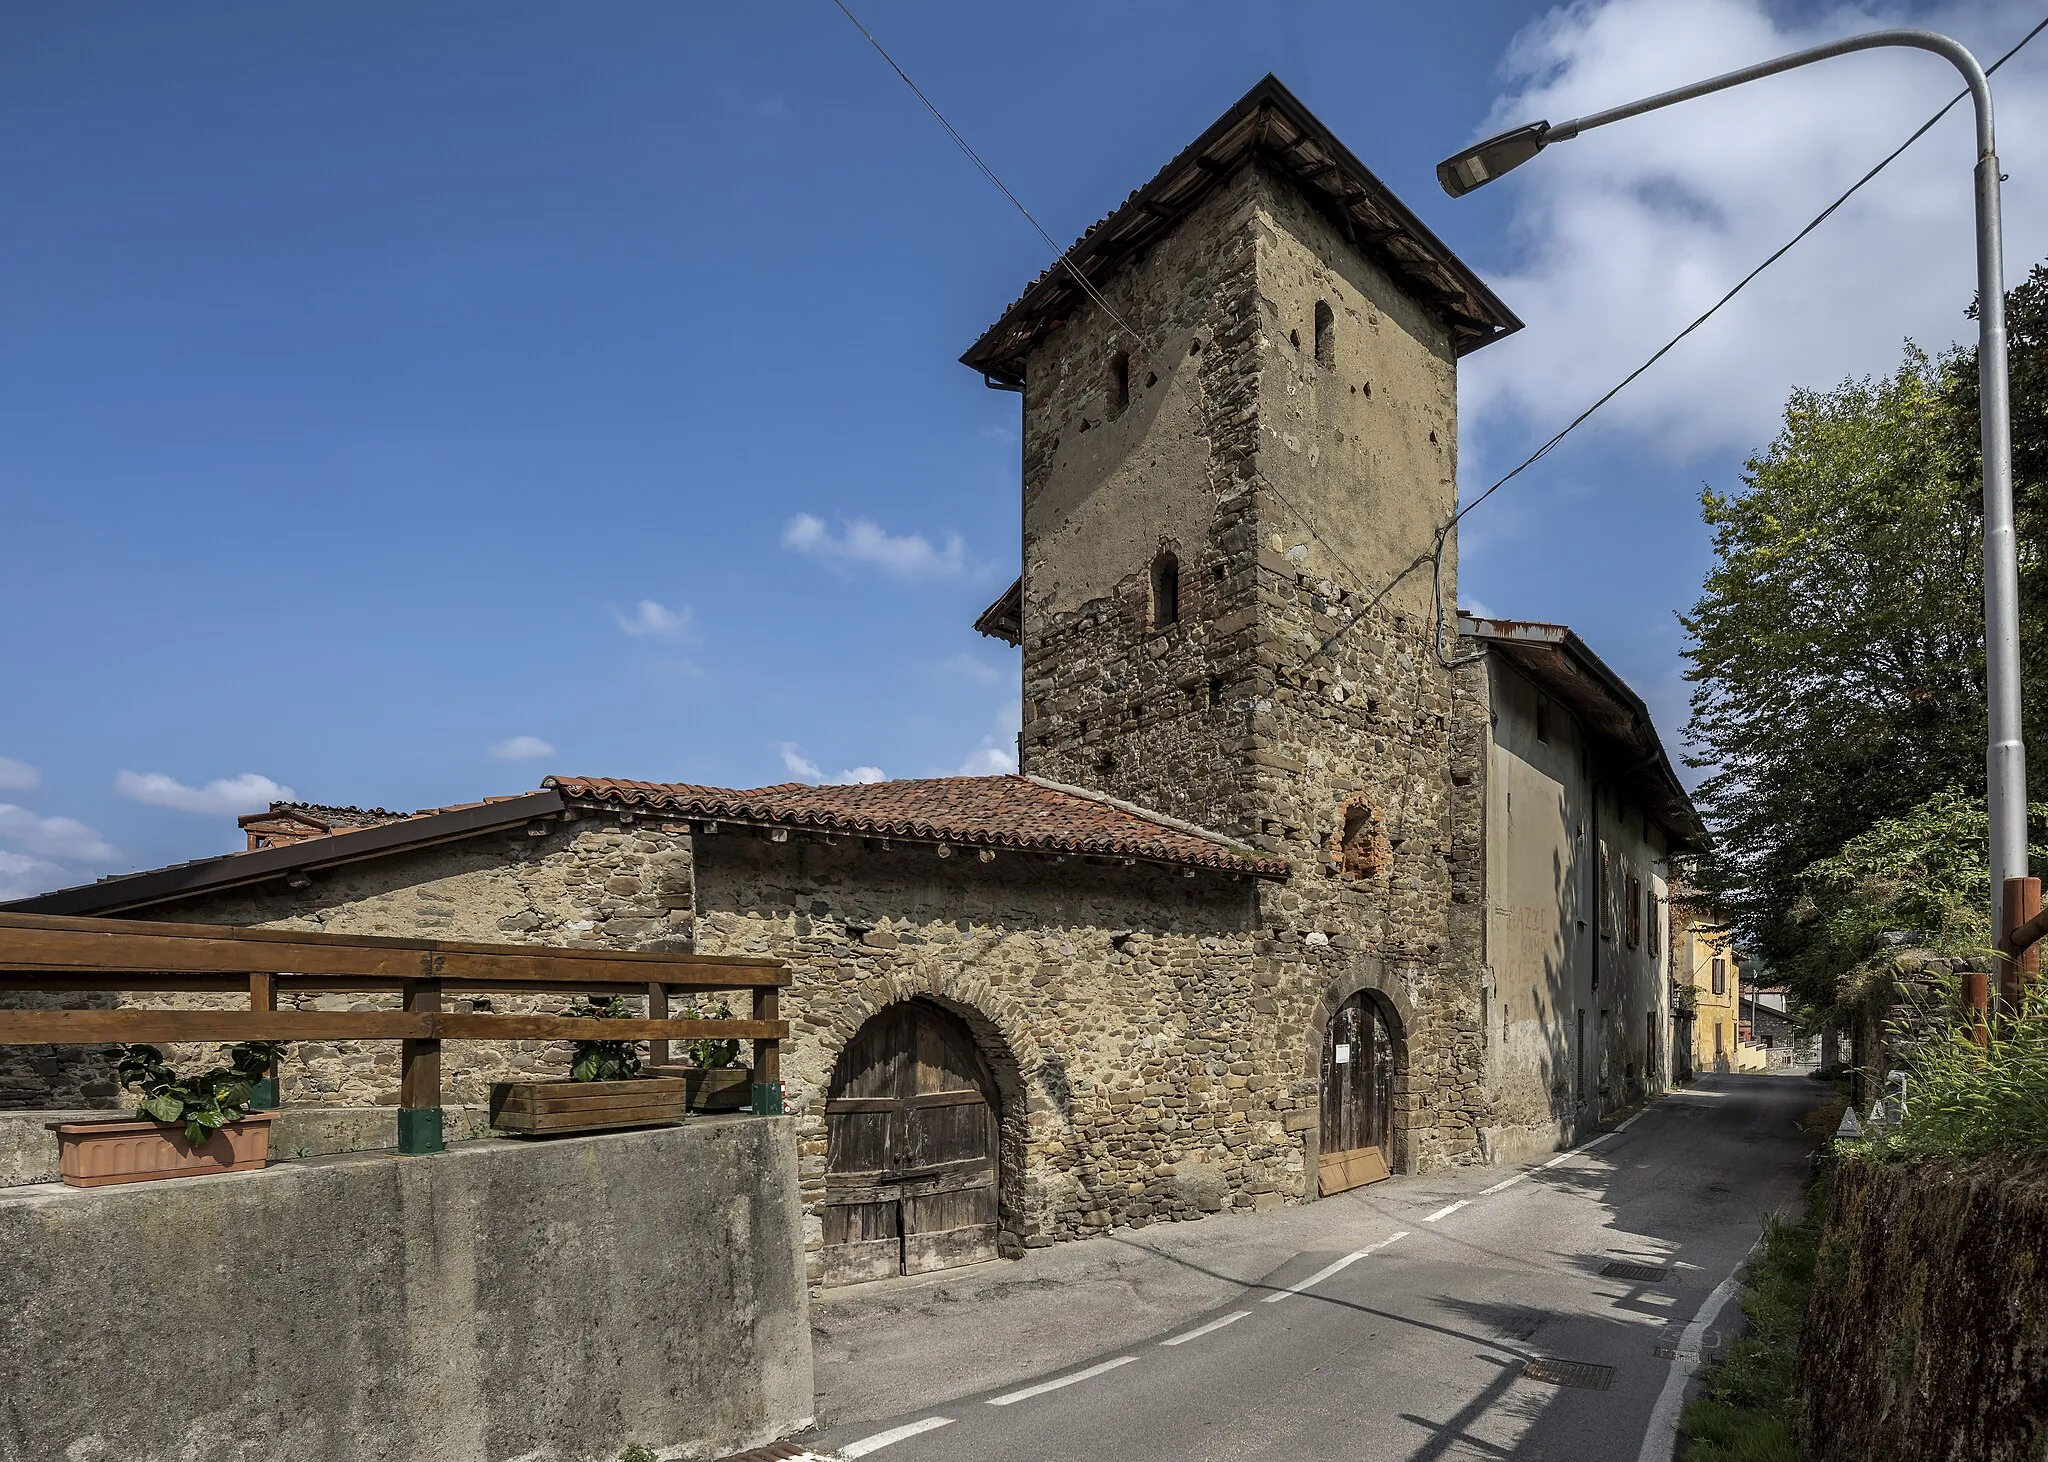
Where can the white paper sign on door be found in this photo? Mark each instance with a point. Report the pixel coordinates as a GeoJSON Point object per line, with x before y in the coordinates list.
{"type": "Point", "coordinates": [1343, 1053]}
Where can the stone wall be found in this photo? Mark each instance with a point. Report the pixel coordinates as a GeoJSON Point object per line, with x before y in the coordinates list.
{"type": "Point", "coordinates": [1151, 1042]}
{"type": "Point", "coordinates": [1926, 1339]}
{"type": "Point", "coordinates": [1300, 496]}
{"type": "Point", "coordinates": [549, 1302]}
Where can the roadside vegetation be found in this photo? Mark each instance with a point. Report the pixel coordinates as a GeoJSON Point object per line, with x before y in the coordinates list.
{"type": "Point", "coordinates": [1745, 1414]}
{"type": "Point", "coordinates": [1838, 665]}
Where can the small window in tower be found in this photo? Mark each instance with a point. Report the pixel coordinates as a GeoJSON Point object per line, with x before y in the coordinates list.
{"type": "Point", "coordinates": [1165, 590]}
{"type": "Point", "coordinates": [1119, 383]}
{"type": "Point", "coordinates": [1543, 721]}
{"type": "Point", "coordinates": [1326, 336]}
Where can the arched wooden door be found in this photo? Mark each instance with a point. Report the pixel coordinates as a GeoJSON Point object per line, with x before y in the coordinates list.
{"type": "Point", "coordinates": [1357, 1132]}
{"type": "Point", "coordinates": [911, 1167]}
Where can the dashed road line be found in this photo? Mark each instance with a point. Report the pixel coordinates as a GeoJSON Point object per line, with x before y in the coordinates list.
{"type": "Point", "coordinates": [1447, 1210]}
{"type": "Point", "coordinates": [895, 1434]}
{"type": "Point", "coordinates": [1042, 1387]}
{"type": "Point", "coordinates": [1587, 1146]}
{"type": "Point", "coordinates": [1201, 1330]}
{"type": "Point", "coordinates": [1329, 1269]}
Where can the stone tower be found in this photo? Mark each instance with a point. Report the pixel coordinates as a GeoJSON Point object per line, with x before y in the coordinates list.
{"type": "Point", "coordinates": [1239, 440]}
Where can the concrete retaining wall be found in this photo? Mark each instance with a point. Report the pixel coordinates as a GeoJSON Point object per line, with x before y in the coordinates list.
{"type": "Point", "coordinates": [1927, 1335]}
{"type": "Point", "coordinates": [539, 1301]}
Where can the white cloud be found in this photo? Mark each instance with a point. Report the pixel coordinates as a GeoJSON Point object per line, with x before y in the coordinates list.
{"type": "Point", "coordinates": [21, 875]}
{"type": "Point", "coordinates": [964, 666]}
{"type": "Point", "coordinates": [223, 797]}
{"type": "Point", "coordinates": [988, 761]}
{"type": "Point", "coordinates": [18, 776]}
{"type": "Point", "coordinates": [651, 618]}
{"type": "Point", "coordinates": [860, 541]}
{"type": "Point", "coordinates": [805, 770]}
{"type": "Point", "coordinates": [521, 748]}
{"type": "Point", "coordinates": [1627, 233]}
{"type": "Point", "coordinates": [51, 837]}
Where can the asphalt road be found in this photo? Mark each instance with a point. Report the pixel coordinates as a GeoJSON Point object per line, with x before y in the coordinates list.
{"type": "Point", "coordinates": [1391, 1322]}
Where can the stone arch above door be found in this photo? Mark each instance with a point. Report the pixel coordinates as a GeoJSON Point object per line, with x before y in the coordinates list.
{"type": "Point", "coordinates": [1366, 978]}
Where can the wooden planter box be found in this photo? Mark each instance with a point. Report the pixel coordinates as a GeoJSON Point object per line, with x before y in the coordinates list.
{"type": "Point", "coordinates": [535, 1108]}
{"type": "Point", "coordinates": [131, 1150]}
{"type": "Point", "coordinates": [715, 1088]}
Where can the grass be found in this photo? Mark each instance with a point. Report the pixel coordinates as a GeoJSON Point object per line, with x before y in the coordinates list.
{"type": "Point", "coordinates": [1745, 1414]}
{"type": "Point", "coordinates": [1962, 1099]}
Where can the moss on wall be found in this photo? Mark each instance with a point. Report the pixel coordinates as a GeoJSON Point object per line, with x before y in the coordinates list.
{"type": "Point", "coordinates": [1927, 1336]}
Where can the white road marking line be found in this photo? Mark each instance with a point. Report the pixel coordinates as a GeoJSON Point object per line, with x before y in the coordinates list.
{"type": "Point", "coordinates": [1200, 1331]}
{"type": "Point", "coordinates": [894, 1435]}
{"type": "Point", "coordinates": [1044, 1386]}
{"type": "Point", "coordinates": [1621, 1127]}
{"type": "Point", "coordinates": [1447, 1210]}
{"type": "Point", "coordinates": [1510, 1182]}
{"type": "Point", "coordinates": [1331, 1268]}
{"type": "Point", "coordinates": [1661, 1440]}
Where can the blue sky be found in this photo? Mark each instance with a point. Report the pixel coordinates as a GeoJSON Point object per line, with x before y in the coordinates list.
{"type": "Point", "coordinates": [388, 392]}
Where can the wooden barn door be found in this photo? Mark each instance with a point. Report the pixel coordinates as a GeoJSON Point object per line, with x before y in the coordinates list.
{"type": "Point", "coordinates": [1358, 1098]}
{"type": "Point", "coordinates": [911, 1170]}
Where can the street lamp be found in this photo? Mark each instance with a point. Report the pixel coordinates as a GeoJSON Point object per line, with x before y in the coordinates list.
{"type": "Point", "coordinates": [2006, 755]}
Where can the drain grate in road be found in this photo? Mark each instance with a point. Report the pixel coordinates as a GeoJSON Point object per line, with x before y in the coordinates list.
{"type": "Point", "coordinates": [1640, 1273]}
{"type": "Point", "coordinates": [1583, 1374]}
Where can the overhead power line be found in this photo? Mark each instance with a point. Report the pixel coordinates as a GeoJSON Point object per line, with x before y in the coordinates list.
{"type": "Point", "coordinates": [990, 173]}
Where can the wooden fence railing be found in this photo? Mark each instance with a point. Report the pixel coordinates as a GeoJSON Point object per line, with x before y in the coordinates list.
{"type": "Point", "coordinates": [52, 954]}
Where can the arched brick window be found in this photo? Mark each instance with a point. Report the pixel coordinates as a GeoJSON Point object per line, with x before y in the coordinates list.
{"type": "Point", "coordinates": [1362, 847]}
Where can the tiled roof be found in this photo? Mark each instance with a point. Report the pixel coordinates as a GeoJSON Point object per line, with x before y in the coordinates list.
{"type": "Point", "coordinates": [995, 812]}
{"type": "Point", "coordinates": [1272, 124]}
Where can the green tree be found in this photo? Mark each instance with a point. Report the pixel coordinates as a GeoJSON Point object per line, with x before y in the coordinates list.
{"type": "Point", "coordinates": [1836, 654]}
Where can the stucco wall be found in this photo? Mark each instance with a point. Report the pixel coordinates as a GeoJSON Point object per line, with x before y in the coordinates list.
{"type": "Point", "coordinates": [1564, 1049]}
{"type": "Point", "coordinates": [539, 1301]}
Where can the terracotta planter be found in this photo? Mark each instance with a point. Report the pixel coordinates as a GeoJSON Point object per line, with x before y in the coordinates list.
{"type": "Point", "coordinates": [715, 1088]}
{"type": "Point", "coordinates": [126, 1150]}
{"type": "Point", "coordinates": [541, 1108]}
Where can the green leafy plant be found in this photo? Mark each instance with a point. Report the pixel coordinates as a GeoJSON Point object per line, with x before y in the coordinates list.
{"type": "Point", "coordinates": [598, 1060]}
{"type": "Point", "coordinates": [637, 1453]}
{"type": "Point", "coordinates": [709, 1053]}
{"type": "Point", "coordinates": [203, 1103]}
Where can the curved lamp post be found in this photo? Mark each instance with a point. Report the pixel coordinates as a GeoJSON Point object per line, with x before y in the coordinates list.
{"type": "Point", "coordinates": [2006, 756]}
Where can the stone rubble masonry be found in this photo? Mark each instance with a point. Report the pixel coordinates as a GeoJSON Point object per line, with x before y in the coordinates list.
{"type": "Point", "coordinates": [1300, 499]}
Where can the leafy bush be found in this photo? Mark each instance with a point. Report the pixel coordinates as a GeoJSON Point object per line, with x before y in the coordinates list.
{"type": "Point", "coordinates": [203, 1103]}
{"type": "Point", "coordinates": [596, 1060]}
{"type": "Point", "coordinates": [1961, 1098]}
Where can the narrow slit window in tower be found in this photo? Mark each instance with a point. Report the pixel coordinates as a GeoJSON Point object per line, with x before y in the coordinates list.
{"type": "Point", "coordinates": [1165, 590]}
{"type": "Point", "coordinates": [1326, 336]}
{"type": "Point", "coordinates": [1119, 383]}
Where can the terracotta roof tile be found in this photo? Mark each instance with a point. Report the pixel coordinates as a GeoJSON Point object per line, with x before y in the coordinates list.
{"type": "Point", "coordinates": [997, 812]}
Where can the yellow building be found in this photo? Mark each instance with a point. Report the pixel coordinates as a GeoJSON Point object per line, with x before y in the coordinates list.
{"type": "Point", "coordinates": [1702, 957]}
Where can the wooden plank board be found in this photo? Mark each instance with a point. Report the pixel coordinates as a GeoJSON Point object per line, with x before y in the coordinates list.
{"type": "Point", "coordinates": [52, 942]}
{"type": "Point", "coordinates": [1339, 1172]}
{"type": "Point", "coordinates": [86, 1027]}
{"type": "Point", "coordinates": [948, 1248]}
{"type": "Point", "coordinates": [545, 1122]}
{"type": "Point", "coordinates": [557, 1096]}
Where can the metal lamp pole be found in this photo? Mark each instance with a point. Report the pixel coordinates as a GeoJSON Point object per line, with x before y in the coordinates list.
{"type": "Point", "coordinates": [2006, 755]}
